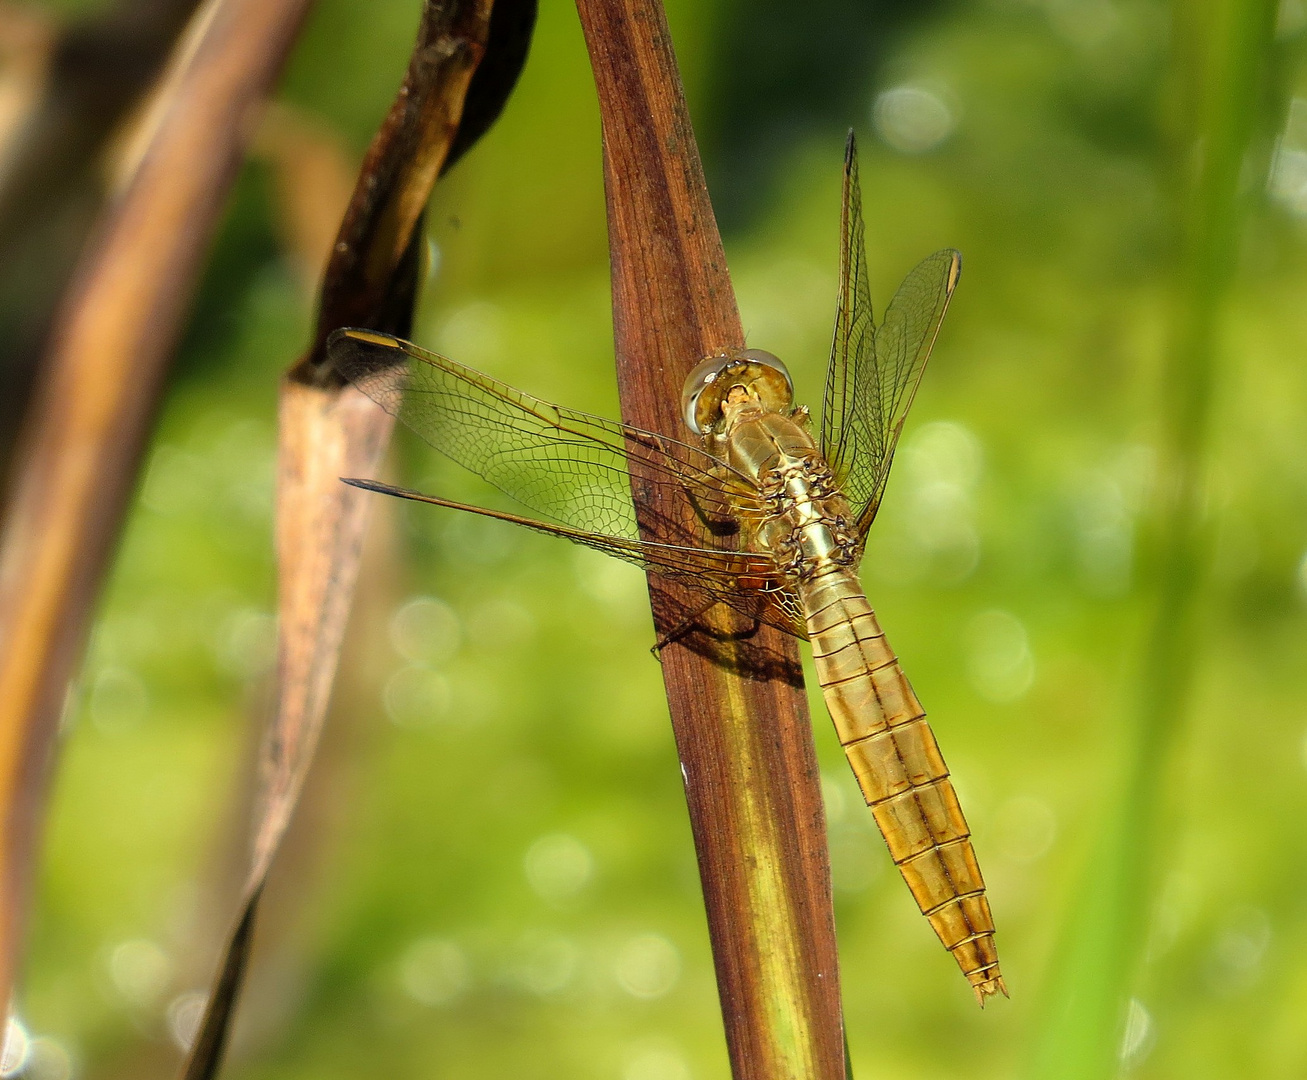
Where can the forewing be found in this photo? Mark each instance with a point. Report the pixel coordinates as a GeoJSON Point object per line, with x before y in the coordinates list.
{"type": "Point", "coordinates": [572, 468]}
{"type": "Point", "coordinates": [874, 372]}
{"type": "Point", "coordinates": [848, 429]}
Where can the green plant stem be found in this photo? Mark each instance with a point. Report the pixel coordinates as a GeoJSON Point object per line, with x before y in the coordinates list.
{"type": "Point", "coordinates": [1221, 58]}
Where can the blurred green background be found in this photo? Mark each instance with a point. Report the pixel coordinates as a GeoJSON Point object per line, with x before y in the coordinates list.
{"type": "Point", "coordinates": [492, 875]}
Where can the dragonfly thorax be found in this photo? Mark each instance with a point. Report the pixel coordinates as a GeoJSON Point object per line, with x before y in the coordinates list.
{"type": "Point", "coordinates": [807, 530]}
{"type": "Point", "coordinates": [807, 524]}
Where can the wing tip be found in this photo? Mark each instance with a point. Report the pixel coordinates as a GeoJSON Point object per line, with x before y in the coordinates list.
{"type": "Point", "coordinates": [375, 353]}
{"type": "Point", "coordinates": [366, 485]}
{"type": "Point", "coordinates": [371, 337]}
{"type": "Point", "coordinates": [954, 259]}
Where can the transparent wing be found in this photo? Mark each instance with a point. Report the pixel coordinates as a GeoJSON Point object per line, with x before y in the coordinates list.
{"type": "Point", "coordinates": [747, 581]}
{"type": "Point", "coordinates": [576, 470]}
{"type": "Point", "coordinates": [571, 467]}
{"type": "Point", "coordinates": [847, 429]}
{"type": "Point", "coordinates": [903, 344]}
{"type": "Point", "coordinates": [874, 374]}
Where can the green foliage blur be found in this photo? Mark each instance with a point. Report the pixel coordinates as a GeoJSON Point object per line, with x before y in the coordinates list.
{"type": "Point", "coordinates": [492, 874]}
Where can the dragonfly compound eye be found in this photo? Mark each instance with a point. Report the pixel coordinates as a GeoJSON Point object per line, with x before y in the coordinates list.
{"type": "Point", "coordinates": [712, 380]}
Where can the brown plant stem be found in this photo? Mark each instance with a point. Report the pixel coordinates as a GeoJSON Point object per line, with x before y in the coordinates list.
{"type": "Point", "coordinates": [327, 430]}
{"type": "Point", "coordinates": [52, 180]}
{"type": "Point", "coordinates": [740, 715]}
{"type": "Point", "coordinates": [372, 277]}
{"type": "Point", "coordinates": [93, 408]}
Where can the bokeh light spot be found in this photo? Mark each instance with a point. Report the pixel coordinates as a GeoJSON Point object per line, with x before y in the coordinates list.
{"type": "Point", "coordinates": [1026, 828]}
{"type": "Point", "coordinates": [1238, 949]}
{"type": "Point", "coordinates": [547, 965]}
{"type": "Point", "coordinates": [1137, 1039]}
{"type": "Point", "coordinates": [1287, 182]}
{"type": "Point", "coordinates": [170, 485]}
{"type": "Point", "coordinates": [656, 1063]}
{"type": "Point", "coordinates": [433, 971]}
{"type": "Point", "coordinates": [500, 623]}
{"type": "Point", "coordinates": [1087, 23]}
{"type": "Point", "coordinates": [647, 966]}
{"type": "Point", "coordinates": [416, 697]}
{"type": "Point", "coordinates": [47, 1060]}
{"type": "Point", "coordinates": [185, 1012]}
{"type": "Point", "coordinates": [246, 643]}
{"type": "Point", "coordinates": [853, 860]}
{"type": "Point", "coordinates": [610, 581]}
{"type": "Point", "coordinates": [832, 794]}
{"type": "Point", "coordinates": [912, 119]}
{"type": "Point", "coordinates": [558, 867]}
{"type": "Point", "coordinates": [474, 333]}
{"type": "Point", "coordinates": [999, 660]}
{"type": "Point", "coordinates": [425, 630]}
{"type": "Point", "coordinates": [935, 535]}
{"type": "Point", "coordinates": [14, 1056]}
{"type": "Point", "coordinates": [120, 701]}
{"type": "Point", "coordinates": [1104, 536]}
{"type": "Point", "coordinates": [140, 971]}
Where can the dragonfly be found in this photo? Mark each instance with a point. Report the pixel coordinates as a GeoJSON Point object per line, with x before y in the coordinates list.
{"type": "Point", "coordinates": [767, 516]}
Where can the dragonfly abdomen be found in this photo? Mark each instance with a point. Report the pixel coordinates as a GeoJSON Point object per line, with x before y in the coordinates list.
{"type": "Point", "coordinates": [900, 770]}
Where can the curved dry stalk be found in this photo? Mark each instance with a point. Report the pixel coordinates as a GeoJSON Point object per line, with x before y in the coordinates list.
{"type": "Point", "coordinates": [92, 411]}
{"type": "Point", "coordinates": [78, 84]}
{"type": "Point", "coordinates": [738, 707]}
{"type": "Point", "coordinates": [326, 430]}
{"type": "Point", "coordinates": [372, 278]}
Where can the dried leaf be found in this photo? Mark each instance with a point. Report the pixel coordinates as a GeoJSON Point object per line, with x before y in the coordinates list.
{"type": "Point", "coordinates": [371, 280]}
{"type": "Point", "coordinates": [327, 431]}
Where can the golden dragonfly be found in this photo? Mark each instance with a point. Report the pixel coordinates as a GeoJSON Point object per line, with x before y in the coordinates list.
{"type": "Point", "coordinates": [775, 526]}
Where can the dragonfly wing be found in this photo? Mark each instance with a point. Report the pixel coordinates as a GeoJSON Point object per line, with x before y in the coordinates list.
{"type": "Point", "coordinates": [573, 468]}
{"type": "Point", "coordinates": [874, 372]}
{"type": "Point", "coordinates": [747, 581]}
{"type": "Point", "coordinates": [847, 430]}
{"type": "Point", "coordinates": [903, 344]}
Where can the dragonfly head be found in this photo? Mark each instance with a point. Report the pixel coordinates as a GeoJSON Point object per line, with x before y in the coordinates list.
{"type": "Point", "coordinates": [741, 375]}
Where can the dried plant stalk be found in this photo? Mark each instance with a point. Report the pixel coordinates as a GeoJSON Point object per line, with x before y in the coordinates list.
{"type": "Point", "coordinates": [84, 79]}
{"type": "Point", "coordinates": [327, 430]}
{"type": "Point", "coordinates": [92, 410]}
{"type": "Point", "coordinates": [371, 280]}
{"type": "Point", "coordinates": [738, 707]}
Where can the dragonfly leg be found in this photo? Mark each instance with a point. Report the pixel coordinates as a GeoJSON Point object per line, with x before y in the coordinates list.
{"type": "Point", "coordinates": [685, 626]}
{"type": "Point", "coordinates": [691, 623]}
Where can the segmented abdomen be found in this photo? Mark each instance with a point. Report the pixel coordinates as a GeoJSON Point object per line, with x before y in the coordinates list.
{"type": "Point", "coordinates": [883, 730]}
